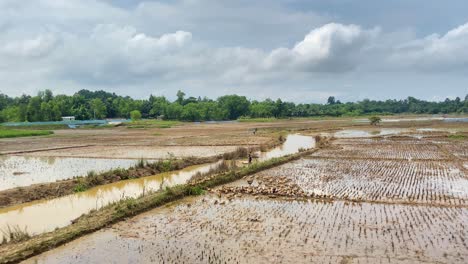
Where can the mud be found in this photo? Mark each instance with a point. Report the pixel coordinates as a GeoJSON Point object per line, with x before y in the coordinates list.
{"type": "Point", "coordinates": [429, 183]}
{"type": "Point", "coordinates": [249, 230]}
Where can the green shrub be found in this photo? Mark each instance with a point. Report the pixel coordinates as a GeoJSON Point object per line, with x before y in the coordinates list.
{"type": "Point", "coordinates": [135, 115]}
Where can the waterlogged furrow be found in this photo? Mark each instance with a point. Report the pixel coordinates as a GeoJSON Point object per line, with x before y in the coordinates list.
{"type": "Point", "coordinates": [247, 230]}
{"type": "Point", "coordinates": [426, 182]}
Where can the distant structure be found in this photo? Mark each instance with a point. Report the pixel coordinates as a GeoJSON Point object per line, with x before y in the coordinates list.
{"type": "Point", "coordinates": [68, 118]}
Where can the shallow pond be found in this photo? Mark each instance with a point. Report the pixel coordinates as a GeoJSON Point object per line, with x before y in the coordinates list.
{"type": "Point", "coordinates": [355, 133]}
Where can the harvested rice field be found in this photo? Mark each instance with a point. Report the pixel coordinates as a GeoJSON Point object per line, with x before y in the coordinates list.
{"type": "Point", "coordinates": [262, 230]}
{"type": "Point", "coordinates": [390, 181]}
{"type": "Point", "coordinates": [406, 151]}
{"type": "Point", "coordinates": [399, 195]}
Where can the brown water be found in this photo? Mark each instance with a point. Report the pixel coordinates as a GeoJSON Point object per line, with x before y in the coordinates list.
{"type": "Point", "coordinates": [293, 144]}
{"type": "Point", "coordinates": [46, 215]}
{"type": "Point", "coordinates": [19, 171]}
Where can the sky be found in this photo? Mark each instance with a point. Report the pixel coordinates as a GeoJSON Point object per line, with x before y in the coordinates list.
{"type": "Point", "coordinates": [300, 51]}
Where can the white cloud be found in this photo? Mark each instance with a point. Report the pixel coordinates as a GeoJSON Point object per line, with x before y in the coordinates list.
{"type": "Point", "coordinates": [211, 45]}
{"type": "Point", "coordinates": [29, 48]}
{"type": "Point", "coordinates": [332, 47]}
{"type": "Point", "coordinates": [434, 52]}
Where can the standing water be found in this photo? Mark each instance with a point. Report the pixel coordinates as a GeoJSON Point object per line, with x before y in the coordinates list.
{"type": "Point", "coordinates": [46, 215]}
{"type": "Point", "coordinates": [291, 145]}
{"type": "Point", "coordinates": [19, 171]}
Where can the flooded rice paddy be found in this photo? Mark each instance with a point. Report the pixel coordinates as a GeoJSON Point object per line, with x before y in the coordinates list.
{"type": "Point", "coordinates": [56, 165]}
{"type": "Point", "coordinates": [46, 215]}
{"type": "Point", "coordinates": [292, 144]}
{"type": "Point", "coordinates": [355, 133]}
{"type": "Point", "coordinates": [19, 171]}
{"type": "Point", "coordinates": [50, 214]}
{"type": "Point", "coordinates": [249, 230]}
{"type": "Point", "coordinates": [364, 199]}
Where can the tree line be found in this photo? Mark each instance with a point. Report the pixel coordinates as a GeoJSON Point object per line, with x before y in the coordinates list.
{"type": "Point", "coordinates": [87, 104]}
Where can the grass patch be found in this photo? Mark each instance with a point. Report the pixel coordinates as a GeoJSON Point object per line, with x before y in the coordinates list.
{"type": "Point", "coordinates": [457, 137]}
{"type": "Point", "coordinates": [258, 120]}
{"type": "Point", "coordinates": [29, 126]}
{"type": "Point", "coordinates": [13, 133]}
{"type": "Point", "coordinates": [80, 187]}
{"type": "Point", "coordinates": [152, 123]}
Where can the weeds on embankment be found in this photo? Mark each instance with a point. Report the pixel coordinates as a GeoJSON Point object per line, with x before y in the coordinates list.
{"type": "Point", "coordinates": [15, 252]}
{"type": "Point", "coordinates": [14, 234]}
{"type": "Point", "coordinates": [13, 133]}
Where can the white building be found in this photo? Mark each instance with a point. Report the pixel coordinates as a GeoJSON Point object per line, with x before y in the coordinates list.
{"type": "Point", "coordinates": [68, 118]}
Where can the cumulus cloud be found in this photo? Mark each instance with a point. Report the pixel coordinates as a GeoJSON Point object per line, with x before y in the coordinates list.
{"type": "Point", "coordinates": [332, 47]}
{"type": "Point", "coordinates": [210, 45]}
{"type": "Point", "coordinates": [129, 39]}
{"type": "Point", "coordinates": [434, 52]}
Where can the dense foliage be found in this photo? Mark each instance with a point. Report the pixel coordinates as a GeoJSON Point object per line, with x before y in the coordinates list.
{"type": "Point", "coordinates": [100, 104]}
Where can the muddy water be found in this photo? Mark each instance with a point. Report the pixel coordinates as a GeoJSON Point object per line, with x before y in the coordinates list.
{"type": "Point", "coordinates": [248, 230]}
{"type": "Point", "coordinates": [43, 216]}
{"type": "Point", "coordinates": [18, 171]}
{"type": "Point", "coordinates": [293, 144]}
{"type": "Point", "coordinates": [354, 133]}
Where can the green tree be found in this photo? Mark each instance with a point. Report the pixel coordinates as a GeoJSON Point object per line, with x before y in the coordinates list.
{"type": "Point", "coordinates": [191, 112]}
{"type": "Point", "coordinates": [173, 111]}
{"type": "Point", "coordinates": [235, 105]}
{"type": "Point", "coordinates": [135, 115]}
{"type": "Point", "coordinates": [374, 120]}
{"type": "Point", "coordinates": [98, 108]}
{"type": "Point", "coordinates": [180, 97]}
{"type": "Point", "coordinates": [331, 100]}
{"type": "Point", "coordinates": [33, 111]}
